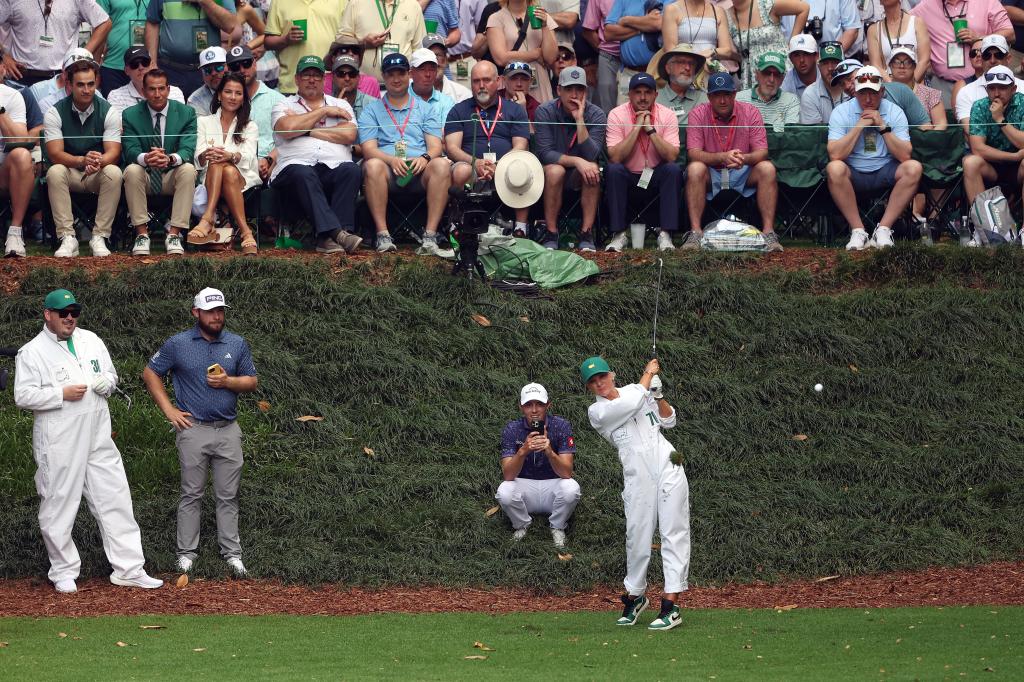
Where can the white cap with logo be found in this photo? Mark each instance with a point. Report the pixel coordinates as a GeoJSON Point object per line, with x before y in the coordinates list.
{"type": "Point", "coordinates": [78, 54]}
{"type": "Point", "coordinates": [422, 56]}
{"type": "Point", "coordinates": [868, 78]}
{"type": "Point", "coordinates": [212, 55]}
{"type": "Point", "coordinates": [997, 41]}
{"type": "Point", "coordinates": [533, 392]}
{"type": "Point", "coordinates": [999, 75]}
{"type": "Point", "coordinates": [209, 298]}
{"type": "Point", "coordinates": [803, 42]}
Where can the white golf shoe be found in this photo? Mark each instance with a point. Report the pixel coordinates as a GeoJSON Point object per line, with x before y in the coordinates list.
{"type": "Point", "coordinates": [98, 246]}
{"type": "Point", "coordinates": [882, 238]}
{"type": "Point", "coordinates": [858, 240]}
{"type": "Point", "coordinates": [68, 247]}
{"type": "Point", "coordinates": [14, 246]}
{"type": "Point", "coordinates": [184, 564]}
{"type": "Point", "coordinates": [665, 241]}
{"type": "Point", "coordinates": [142, 580]}
{"type": "Point", "coordinates": [66, 586]}
{"type": "Point", "coordinates": [173, 245]}
{"type": "Point", "coordinates": [237, 567]}
{"type": "Point", "coordinates": [617, 243]}
{"type": "Point", "coordinates": [141, 246]}
{"type": "Point", "coordinates": [558, 536]}
{"type": "Point", "coordinates": [518, 534]}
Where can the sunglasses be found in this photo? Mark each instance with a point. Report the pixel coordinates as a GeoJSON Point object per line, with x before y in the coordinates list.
{"type": "Point", "coordinates": [73, 312]}
{"type": "Point", "coordinates": [346, 73]}
{"type": "Point", "coordinates": [238, 66]}
{"type": "Point", "coordinates": [868, 78]}
{"type": "Point", "coordinates": [136, 63]}
{"type": "Point", "coordinates": [992, 54]}
{"type": "Point", "coordinates": [214, 68]}
{"type": "Point", "coordinates": [565, 56]}
{"type": "Point", "coordinates": [350, 49]}
{"type": "Point", "coordinates": [997, 78]}
{"type": "Point", "coordinates": [974, 53]}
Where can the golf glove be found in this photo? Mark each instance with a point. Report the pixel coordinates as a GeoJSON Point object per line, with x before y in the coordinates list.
{"type": "Point", "coordinates": [656, 388]}
{"type": "Point", "coordinates": [103, 386]}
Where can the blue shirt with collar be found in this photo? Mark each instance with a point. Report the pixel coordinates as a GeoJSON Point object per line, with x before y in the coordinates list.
{"type": "Point", "coordinates": [536, 464]}
{"type": "Point", "coordinates": [441, 102]}
{"type": "Point", "coordinates": [375, 124]}
{"type": "Point", "coordinates": [513, 123]}
{"type": "Point", "coordinates": [188, 355]}
{"type": "Point", "coordinates": [636, 53]}
{"type": "Point", "coordinates": [845, 116]}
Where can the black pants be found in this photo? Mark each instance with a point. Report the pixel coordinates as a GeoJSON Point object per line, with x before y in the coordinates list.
{"type": "Point", "coordinates": [620, 187]}
{"type": "Point", "coordinates": [327, 195]}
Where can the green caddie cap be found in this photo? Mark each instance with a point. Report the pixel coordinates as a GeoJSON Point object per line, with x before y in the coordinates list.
{"type": "Point", "coordinates": [60, 299]}
{"type": "Point", "coordinates": [831, 51]}
{"type": "Point", "coordinates": [772, 60]}
{"type": "Point", "coordinates": [592, 366]}
{"type": "Point", "coordinates": [310, 61]}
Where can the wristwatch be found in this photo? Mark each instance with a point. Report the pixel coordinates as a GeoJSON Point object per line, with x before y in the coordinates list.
{"type": "Point", "coordinates": [886, 129]}
{"type": "Point", "coordinates": [650, 130]}
{"type": "Point", "coordinates": [427, 156]}
{"type": "Point", "coordinates": [3, 110]}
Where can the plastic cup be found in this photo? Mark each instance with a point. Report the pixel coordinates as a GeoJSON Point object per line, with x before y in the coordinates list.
{"type": "Point", "coordinates": [959, 25]}
{"type": "Point", "coordinates": [431, 26]}
{"type": "Point", "coordinates": [535, 22]}
{"type": "Point", "coordinates": [637, 232]}
{"type": "Point", "coordinates": [405, 179]}
{"type": "Point", "coordinates": [302, 24]}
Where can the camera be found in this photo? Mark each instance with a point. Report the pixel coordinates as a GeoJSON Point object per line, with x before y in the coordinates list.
{"type": "Point", "coordinates": [471, 212]}
{"type": "Point", "coordinates": [536, 426]}
{"type": "Point", "coordinates": [815, 27]}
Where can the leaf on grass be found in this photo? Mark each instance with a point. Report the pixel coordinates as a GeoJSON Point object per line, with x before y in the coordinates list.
{"type": "Point", "coordinates": [474, 658]}
{"type": "Point", "coordinates": [368, 451]}
{"type": "Point", "coordinates": [655, 546]}
{"type": "Point", "coordinates": [152, 627]}
{"type": "Point", "coordinates": [4, 645]}
{"type": "Point", "coordinates": [199, 649]}
{"type": "Point", "coordinates": [148, 261]}
{"type": "Point", "coordinates": [122, 644]}
{"type": "Point", "coordinates": [524, 318]}
{"type": "Point", "coordinates": [492, 511]}
{"type": "Point", "coordinates": [826, 578]}
{"type": "Point", "coordinates": [787, 607]}
{"type": "Point", "coordinates": [480, 320]}
{"type": "Point", "coordinates": [565, 557]}
{"type": "Point", "coordinates": [309, 418]}
{"type": "Point", "coordinates": [482, 646]}
{"type": "Point", "coordinates": [113, 436]}
{"type": "Point", "coordinates": [853, 368]}
{"type": "Point", "coordinates": [62, 635]}
{"type": "Point", "coordinates": [800, 436]}
{"type": "Point", "coordinates": [182, 580]}
{"type": "Point", "coordinates": [747, 647]}
{"type": "Point", "coordinates": [263, 405]}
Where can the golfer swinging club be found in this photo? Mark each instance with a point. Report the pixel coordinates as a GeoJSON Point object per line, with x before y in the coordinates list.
{"type": "Point", "coordinates": [655, 490]}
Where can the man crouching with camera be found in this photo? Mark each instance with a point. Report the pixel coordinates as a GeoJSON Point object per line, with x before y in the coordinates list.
{"type": "Point", "coordinates": [537, 452]}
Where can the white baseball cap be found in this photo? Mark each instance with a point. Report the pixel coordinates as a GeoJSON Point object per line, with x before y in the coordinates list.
{"type": "Point", "coordinates": [868, 71]}
{"type": "Point", "coordinates": [212, 55]}
{"type": "Point", "coordinates": [904, 50]}
{"type": "Point", "coordinates": [422, 56]}
{"type": "Point", "coordinates": [995, 40]}
{"type": "Point", "coordinates": [803, 42]}
{"type": "Point", "coordinates": [999, 75]}
{"type": "Point", "coordinates": [533, 392]}
{"type": "Point", "coordinates": [79, 54]}
{"type": "Point", "coordinates": [209, 298]}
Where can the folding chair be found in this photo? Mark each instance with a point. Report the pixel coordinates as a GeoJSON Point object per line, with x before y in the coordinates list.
{"type": "Point", "coordinates": [800, 153]}
{"type": "Point", "coordinates": [941, 153]}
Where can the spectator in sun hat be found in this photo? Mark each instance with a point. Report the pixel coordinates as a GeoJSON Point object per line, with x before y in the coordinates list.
{"type": "Point", "coordinates": [727, 148]}
{"type": "Point", "coordinates": [803, 53]}
{"type": "Point", "coordinates": [213, 62]}
{"type": "Point", "coordinates": [996, 139]}
{"type": "Point", "coordinates": [819, 98]}
{"type": "Point", "coordinates": [679, 68]}
{"type": "Point", "coordinates": [778, 108]}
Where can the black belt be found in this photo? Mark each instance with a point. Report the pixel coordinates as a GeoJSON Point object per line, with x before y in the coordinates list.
{"type": "Point", "coordinates": [216, 424]}
{"type": "Point", "coordinates": [41, 74]}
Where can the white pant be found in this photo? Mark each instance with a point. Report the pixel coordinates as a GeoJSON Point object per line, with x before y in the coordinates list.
{"type": "Point", "coordinates": [663, 503]}
{"type": "Point", "coordinates": [525, 496]}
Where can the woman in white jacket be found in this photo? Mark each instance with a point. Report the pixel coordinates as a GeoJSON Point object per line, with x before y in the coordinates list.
{"type": "Point", "coordinates": [226, 152]}
{"type": "Point", "coordinates": [655, 491]}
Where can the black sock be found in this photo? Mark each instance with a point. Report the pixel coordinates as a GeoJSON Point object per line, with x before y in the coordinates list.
{"type": "Point", "coordinates": [666, 605]}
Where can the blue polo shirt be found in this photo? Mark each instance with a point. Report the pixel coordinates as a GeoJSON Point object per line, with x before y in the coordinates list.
{"type": "Point", "coordinates": [536, 464]}
{"type": "Point", "coordinates": [188, 355]}
{"type": "Point", "coordinates": [635, 51]}
{"type": "Point", "coordinates": [375, 124]}
{"type": "Point", "coordinates": [845, 116]}
{"type": "Point", "coordinates": [513, 123]}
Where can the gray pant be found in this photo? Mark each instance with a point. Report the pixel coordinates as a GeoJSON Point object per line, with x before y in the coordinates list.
{"type": "Point", "coordinates": [608, 67]}
{"type": "Point", "coordinates": [217, 447]}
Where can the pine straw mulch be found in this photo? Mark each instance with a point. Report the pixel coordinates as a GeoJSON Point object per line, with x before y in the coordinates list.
{"type": "Point", "coordinates": [999, 583]}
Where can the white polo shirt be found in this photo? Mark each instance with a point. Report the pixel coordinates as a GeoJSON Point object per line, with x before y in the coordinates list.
{"type": "Point", "coordinates": [14, 103]}
{"type": "Point", "coordinates": [307, 150]}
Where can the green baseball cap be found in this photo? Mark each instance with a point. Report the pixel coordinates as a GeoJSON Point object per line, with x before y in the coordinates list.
{"type": "Point", "coordinates": [830, 51]}
{"type": "Point", "coordinates": [592, 366]}
{"type": "Point", "coordinates": [310, 61]}
{"type": "Point", "coordinates": [59, 299]}
{"type": "Point", "coordinates": [772, 60]}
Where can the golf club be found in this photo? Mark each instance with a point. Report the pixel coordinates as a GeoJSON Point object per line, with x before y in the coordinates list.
{"type": "Point", "coordinates": [657, 297]}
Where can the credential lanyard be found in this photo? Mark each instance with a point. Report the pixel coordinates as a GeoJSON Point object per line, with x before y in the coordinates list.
{"type": "Point", "coordinates": [405, 124]}
{"type": "Point", "coordinates": [494, 124]}
{"type": "Point", "coordinates": [382, 10]}
{"type": "Point", "coordinates": [644, 141]}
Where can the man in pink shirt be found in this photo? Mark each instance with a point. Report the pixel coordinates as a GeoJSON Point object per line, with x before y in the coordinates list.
{"type": "Point", "coordinates": [643, 145]}
{"type": "Point", "coordinates": [609, 63]}
{"type": "Point", "coordinates": [728, 149]}
{"type": "Point", "coordinates": [949, 47]}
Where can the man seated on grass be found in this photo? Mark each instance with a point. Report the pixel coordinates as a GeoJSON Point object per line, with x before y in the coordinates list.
{"type": "Point", "coordinates": [537, 454]}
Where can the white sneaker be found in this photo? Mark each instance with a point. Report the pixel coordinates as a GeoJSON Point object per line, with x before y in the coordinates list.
{"type": "Point", "coordinates": [14, 246]}
{"type": "Point", "coordinates": [68, 247]}
{"type": "Point", "coordinates": [141, 247]}
{"type": "Point", "coordinates": [66, 586]}
{"type": "Point", "coordinates": [617, 243]}
{"type": "Point", "coordinates": [429, 247]}
{"type": "Point", "coordinates": [881, 239]}
{"type": "Point", "coordinates": [173, 245]}
{"type": "Point", "coordinates": [558, 536]}
{"type": "Point", "coordinates": [184, 564]}
{"type": "Point", "coordinates": [142, 580]}
{"type": "Point", "coordinates": [665, 241]}
{"type": "Point", "coordinates": [385, 243]}
{"type": "Point", "coordinates": [98, 246]}
{"type": "Point", "coordinates": [519, 534]}
{"type": "Point", "coordinates": [237, 567]}
{"type": "Point", "coordinates": [858, 240]}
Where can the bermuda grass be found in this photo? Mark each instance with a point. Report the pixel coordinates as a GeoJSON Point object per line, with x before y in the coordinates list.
{"type": "Point", "coordinates": [912, 454]}
{"type": "Point", "coordinates": [847, 644]}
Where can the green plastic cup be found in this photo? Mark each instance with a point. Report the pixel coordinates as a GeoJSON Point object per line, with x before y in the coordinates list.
{"type": "Point", "coordinates": [431, 26]}
{"type": "Point", "coordinates": [302, 23]}
{"type": "Point", "coordinates": [959, 25]}
{"type": "Point", "coordinates": [535, 22]}
{"type": "Point", "coordinates": [405, 179]}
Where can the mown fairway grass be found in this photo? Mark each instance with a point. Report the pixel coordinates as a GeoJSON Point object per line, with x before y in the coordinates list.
{"type": "Point", "coordinates": [912, 454]}
{"type": "Point", "coordinates": [816, 644]}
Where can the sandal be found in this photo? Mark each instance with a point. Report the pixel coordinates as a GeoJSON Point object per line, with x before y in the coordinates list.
{"type": "Point", "coordinates": [249, 246]}
{"type": "Point", "coordinates": [203, 233]}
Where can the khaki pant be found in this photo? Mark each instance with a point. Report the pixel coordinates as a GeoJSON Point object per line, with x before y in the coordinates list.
{"type": "Point", "coordinates": [179, 182]}
{"type": "Point", "coordinates": [61, 181]}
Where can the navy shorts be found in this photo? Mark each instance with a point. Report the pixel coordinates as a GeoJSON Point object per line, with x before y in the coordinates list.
{"type": "Point", "coordinates": [872, 181]}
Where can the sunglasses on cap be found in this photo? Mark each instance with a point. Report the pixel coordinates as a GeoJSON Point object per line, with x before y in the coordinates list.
{"type": "Point", "coordinates": [136, 63]}
{"type": "Point", "coordinates": [211, 69]}
{"type": "Point", "coordinates": [238, 66]}
{"type": "Point", "coordinates": [72, 311]}
{"type": "Point", "coordinates": [998, 78]}
{"type": "Point", "coordinates": [868, 78]}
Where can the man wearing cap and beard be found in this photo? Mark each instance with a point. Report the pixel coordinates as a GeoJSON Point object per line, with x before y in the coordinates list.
{"type": "Point", "coordinates": [996, 139]}
{"type": "Point", "coordinates": [211, 367]}
{"type": "Point", "coordinates": [869, 151]}
{"type": "Point", "coordinates": [570, 138]}
{"type": "Point", "coordinates": [778, 108]}
{"type": "Point", "coordinates": [137, 64]}
{"type": "Point", "coordinates": [995, 51]}
{"type": "Point", "coordinates": [656, 494]}
{"type": "Point", "coordinates": [537, 453]}
{"type": "Point", "coordinates": [262, 101]}
{"type": "Point", "coordinates": [213, 65]}
{"type": "Point", "coordinates": [678, 68]}
{"type": "Point", "coordinates": [65, 375]}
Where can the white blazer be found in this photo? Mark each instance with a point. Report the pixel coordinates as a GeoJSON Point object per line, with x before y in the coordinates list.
{"type": "Point", "coordinates": [209, 134]}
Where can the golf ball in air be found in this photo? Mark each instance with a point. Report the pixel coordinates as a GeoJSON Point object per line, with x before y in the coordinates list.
{"type": "Point", "coordinates": [819, 388]}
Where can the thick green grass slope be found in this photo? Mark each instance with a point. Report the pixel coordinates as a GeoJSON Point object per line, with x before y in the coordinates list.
{"type": "Point", "coordinates": [821, 644]}
{"type": "Point", "coordinates": [913, 453]}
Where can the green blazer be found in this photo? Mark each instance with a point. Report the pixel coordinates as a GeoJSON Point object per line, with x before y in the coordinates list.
{"type": "Point", "coordinates": [139, 136]}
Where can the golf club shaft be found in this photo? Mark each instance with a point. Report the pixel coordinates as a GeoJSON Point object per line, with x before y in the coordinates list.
{"type": "Point", "coordinates": [657, 300]}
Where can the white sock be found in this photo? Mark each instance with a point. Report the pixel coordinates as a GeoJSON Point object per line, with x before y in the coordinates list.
{"type": "Point", "coordinates": [521, 226]}
{"type": "Point", "coordinates": [430, 235]}
{"type": "Point", "coordinates": [14, 231]}
{"type": "Point", "coordinates": [883, 227]}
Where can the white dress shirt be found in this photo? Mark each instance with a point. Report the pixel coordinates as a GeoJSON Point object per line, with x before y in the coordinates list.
{"type": "Point", "coordinates": [305, 149]}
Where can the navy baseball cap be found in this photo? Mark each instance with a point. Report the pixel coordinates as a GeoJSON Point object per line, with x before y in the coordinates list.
{"type": "Point", "coordinates": [721, 82]}
{"type": "Point", "coordinates": [395, 60]}
{"type": "Point", "coordinates": [642, 80]}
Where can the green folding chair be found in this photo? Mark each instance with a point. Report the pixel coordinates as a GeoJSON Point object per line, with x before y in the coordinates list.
{"type": "Point", "coordinates": [800, 153]}
{"type": "Point", "coordinates": [941, 154]}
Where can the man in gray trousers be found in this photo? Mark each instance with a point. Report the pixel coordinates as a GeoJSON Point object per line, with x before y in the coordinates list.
{"type": "Point", "coordinates": [210, 368]}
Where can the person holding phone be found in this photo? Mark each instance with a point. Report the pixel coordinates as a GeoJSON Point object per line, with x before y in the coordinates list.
{"type": "Point", "coordinates": [537, 453]}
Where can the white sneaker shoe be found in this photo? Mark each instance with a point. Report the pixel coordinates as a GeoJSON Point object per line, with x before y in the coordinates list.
{"type": "Point", "coordinates": [67, 586]}
{"type": "Point", "coordinates": [142, 580]}
{"type": "Point", "coordinates": [141, 247]}
{"type": "Point", "coordinates": [617, 243]}
{"type": "Point", "coordinates": [68, 247]}
{"type": "Point", "coordinates": [184, 564]}
{"type": "Point", "coordinates": [237, 567]}
{"type": "Point", "coordinates": [665, 241]}
{"type": "Point", "coordinates": [14, 246]}
{"type": "Point", "coordinates": [519, 534]}
{"type": "Point", "coordinates": [173, 245]}
{"type": "Point", "coordinates": [882, 238]}
{"type": "Point", "coordinates": [558, 536]}
{"type": "Point", "coordinates": [98, 246]}
{"type": "Point", "coordinates": [858, 240]}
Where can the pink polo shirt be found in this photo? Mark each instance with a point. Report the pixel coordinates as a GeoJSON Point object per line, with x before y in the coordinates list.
{"type": "Point", "coordinates": [746, 132]}
{"type": "Point", "coordinates": [984, 17]}
{"type": "Point", "coordinates": [645, 154]}
{"type": "Point", "coordinates": [593, 19]}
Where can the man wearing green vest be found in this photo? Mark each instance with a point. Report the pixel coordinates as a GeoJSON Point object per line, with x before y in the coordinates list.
{"type": "Point", "coordinates": [159, 143]}
{"type": "Point", "coordinates": [83, 143]}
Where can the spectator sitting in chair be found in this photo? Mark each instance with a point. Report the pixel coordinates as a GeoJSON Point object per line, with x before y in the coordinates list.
{"type": "Point", "coordinates": [996, 138]}
{"type": "Point", "coordinates": [137, 64]}
{"type": "Point", "coordinates": [869, 151]}
{"type": "Point", "coordinates": [314, 134]}
{"type": "Point", "coordinates": [83, 143]}
{"type": "Point", "coordinates": [17, 176]}
{"type": "Point", "coordinates": [897, 93]}
{"type": "Point", "coordinates": [424, 76]}
{"type": "Point", "coordinates": [803, 53]}
{"type": "Point", "coordinates": [570, 138]}
{"type": "Point", "coordinates": [401, 139]}
{"type": "Point", "coordinates": [443, 83]}
{"type": "Point", "coordinates": [159, 145]}
{"type": "Point", "coordinates": [347, 45]}
{"type": "Point", "coordinates": [643, 145]}
{"type": "Point", "coordinates": [778, 108]}
{"type": "Point", "coordinates": [821, 97]}
{"type": "Point", "coordinates": [679, 67]}
{"type": "Point", "coordinates": [345, 80]}
{"type": "Point", "coordinates": [262, 101]}
{"type": "Point", "coordinates": [213, 62]}
{"type": "Point", "coordinates": [994, 52]}
{"type": "Point", "coordinates": [481, 130]}
{"type": "Point", "coordinates": [728, 149]}
{"type": "Point", "coordinates": [517, 76]}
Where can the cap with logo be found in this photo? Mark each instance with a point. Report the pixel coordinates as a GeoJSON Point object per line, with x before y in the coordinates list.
{"type": "Point", "coordinates": [209, 298]}
{"type": "Point", "coordinates": [239, 53]}
{"type": "Point", "coordinates": [59, 299]}
{"type": "Point", "coordinates": [79, 54]}
{"type": "Point", "coordinates": [845, 68]}
{"type": "Point", "coordinates": [517, 68]}
{"type": "Point", "coordinates": [997, 41]}
{"type": "Point", "coordinates": [395, 60]}
{"type": "Point", "coordinates": [422, 56]}
{"type": "Point", "coordinates": [721, 82]}
{"type": "Point", "coordinates": [310, 61]}
{"type": "Point", "coordinates": [572, 75]}
{"type": "Point", "coordinates": [135, 53]}
{"type": "Point", "coordinates": [868, 78]}
{"type": "Point", "coordinates": [830, 51]}
{"type": "Point", "coordinates": [999, 75]}
{"type": "Point", "coordinates": [212, 55]}
{"type": "Point", "coordinates": [803, 42]}
{"type": "Point", "coordinates": [432, 39]}
{"type": "Point", "coordinates": [533, 392]}
{"type": "Point", "coordinates": [642, 80]}
{"type": "Point", "coordinates": [772, 60]}
{"type": "Point", "coordinates": [345, 61]}
{"type": "Point", "coordinates": [592, 367]}
{"type": "Point", "coordinates": [903, 50]}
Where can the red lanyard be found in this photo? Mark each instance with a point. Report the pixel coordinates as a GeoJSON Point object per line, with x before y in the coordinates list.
{"type": "Point", "coordinates": [497, 115]}
{"type": "Point", "coordinates": [726, 142]}
{"type": "Point", "coordinates": [644, 141]}
{"type": "Point", "coordinates": [572, 142]}
{"type": "Point", "coordinates": [405, 124]}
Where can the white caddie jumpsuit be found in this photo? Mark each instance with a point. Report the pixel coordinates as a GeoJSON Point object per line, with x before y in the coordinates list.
{"type": "Point", "coordinates": [74, 452]}
{"type": "Point", "coordinates": [655, 491]}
